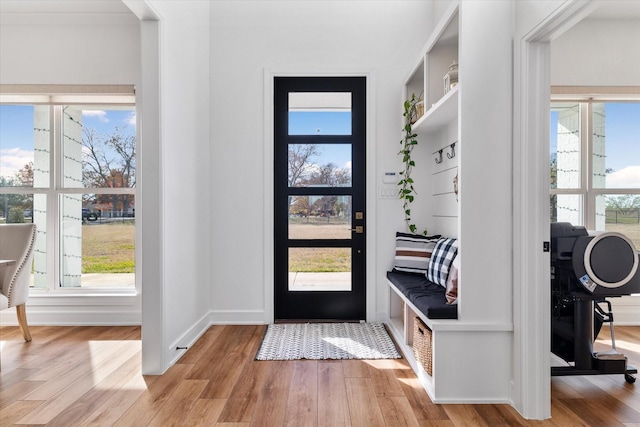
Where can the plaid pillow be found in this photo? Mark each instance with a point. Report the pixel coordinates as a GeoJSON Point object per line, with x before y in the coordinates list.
{"type": "Point", "coordinates": [413, 252]}
{"type": "Point", "coordinates": [443, 254]}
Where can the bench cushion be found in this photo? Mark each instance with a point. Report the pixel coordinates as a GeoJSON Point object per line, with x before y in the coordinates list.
{"type": "Point", "coordinates": [428, 297]}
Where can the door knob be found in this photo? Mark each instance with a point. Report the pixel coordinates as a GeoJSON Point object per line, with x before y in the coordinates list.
{"type": "Point", "coordinates": [359, 229]}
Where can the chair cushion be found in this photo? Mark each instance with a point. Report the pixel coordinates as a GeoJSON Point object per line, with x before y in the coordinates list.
{"type": "Point", "coordinates": [4, 302]}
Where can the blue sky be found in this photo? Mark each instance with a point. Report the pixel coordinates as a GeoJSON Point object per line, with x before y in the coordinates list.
{"type": "Point", "coordinates": [324, 123]}
{"type": "Point", "coordinates": [17, 131]}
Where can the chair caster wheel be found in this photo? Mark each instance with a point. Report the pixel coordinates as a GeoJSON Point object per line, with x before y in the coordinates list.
{"type": "Point", "coordinates": [629, 378]}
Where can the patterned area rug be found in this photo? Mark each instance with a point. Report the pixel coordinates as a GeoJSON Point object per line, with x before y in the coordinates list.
{"type": "Point", "coordinates": [319, 341]}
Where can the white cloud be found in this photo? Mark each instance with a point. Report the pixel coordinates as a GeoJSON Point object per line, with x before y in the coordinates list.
{"type": "Point", "coordinates": [628, 177]}
{"type": "Point", "coordinates": [131, 120]}
{"type": "Point", "coordinates": [13, 159]}
{"type": "Point", "coordinates": [347, 165]}
{"type": "Point", "coordinates": [98, 114]}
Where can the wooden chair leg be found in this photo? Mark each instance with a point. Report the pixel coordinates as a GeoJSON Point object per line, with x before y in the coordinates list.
{"type": "Point", "coordinates": [22, 321]}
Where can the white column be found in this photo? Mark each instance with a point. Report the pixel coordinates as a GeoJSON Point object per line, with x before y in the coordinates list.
{"type": "Point", "coordinates": [599, 161]}
{"type": "Point", "coordinates": [72, 203]}
{"type": "Point", "coordinates": [41, 176]}
{"type": "Point", "coordinates": [569, 164]}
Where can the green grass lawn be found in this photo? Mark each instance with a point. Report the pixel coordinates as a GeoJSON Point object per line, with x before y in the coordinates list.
{"type": "Point", "coordinates": [108, 248]}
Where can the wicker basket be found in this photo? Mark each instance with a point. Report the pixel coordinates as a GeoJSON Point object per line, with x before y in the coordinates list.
{"type": "Point", "coordinates": [422, 343]}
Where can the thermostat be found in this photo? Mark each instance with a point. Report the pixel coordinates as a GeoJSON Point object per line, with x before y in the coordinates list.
{"type": "Point", "coordinates": [390, 177]}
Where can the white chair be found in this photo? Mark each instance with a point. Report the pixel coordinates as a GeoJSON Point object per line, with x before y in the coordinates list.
{"type": "Point", "coordinates": [16, 244]}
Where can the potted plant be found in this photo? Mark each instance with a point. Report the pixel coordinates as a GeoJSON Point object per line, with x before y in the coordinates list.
{"type": "Point", "coordinates": [407, 191]}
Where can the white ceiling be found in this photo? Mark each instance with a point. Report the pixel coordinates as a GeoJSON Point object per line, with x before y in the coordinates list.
{"type": "Point", "coordinates": [617, 9]}
{"type": "Point", "coordinates": [63, 6]}
{"type": "Point", "coordinates": [610, 9]}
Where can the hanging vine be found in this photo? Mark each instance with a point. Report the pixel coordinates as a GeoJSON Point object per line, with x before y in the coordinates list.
{"type": "Point", "coordinates": [407, 192]}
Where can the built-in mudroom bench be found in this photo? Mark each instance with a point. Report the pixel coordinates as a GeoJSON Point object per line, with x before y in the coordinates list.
{"type": "Point", "coordinates": [461, 350]}
{"type": "Point", "coordinates": [457, 357]}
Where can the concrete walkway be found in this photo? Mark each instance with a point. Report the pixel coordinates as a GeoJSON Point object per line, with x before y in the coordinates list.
{"type": "Point", "coordinates": [320, 281]}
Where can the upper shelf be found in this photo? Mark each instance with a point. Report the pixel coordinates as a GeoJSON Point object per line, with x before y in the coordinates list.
{"type": "Point", "coordinates": [440, 113]}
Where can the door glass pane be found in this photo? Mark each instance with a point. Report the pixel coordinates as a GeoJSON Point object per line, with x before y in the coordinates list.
{"type": "Point", "coordinates": [319, 269]}
{"type": "Point", "coordinates": [565, 143]}
{"type": "Point", "coordinates": [97, 240]}
{"type": "Point", "coordinates": [566, 208]}
{"type": "Point", "coordinates": [320, 113]}
{"type": "Point", "coordinates": [619, 213]}
{"type": "Point", "coordinates": [99, 147]}
{"type": "Point", "coordinates": [616, 145]}
{"type": "Point", "coordinates": [24, 146]}
{"type": "Point", "coordinates": [319, 165]}
{"type": "Point", "coordinates": [320, 217]}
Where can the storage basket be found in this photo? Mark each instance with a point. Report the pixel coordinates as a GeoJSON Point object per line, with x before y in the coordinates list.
{"type": "Point", "coordinates": [422, 345]}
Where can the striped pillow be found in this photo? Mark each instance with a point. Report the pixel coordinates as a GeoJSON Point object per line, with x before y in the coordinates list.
{"type": "Point", "coordinates": [413, 252]}
{"type": "Point", "coordinates": [443, 254]}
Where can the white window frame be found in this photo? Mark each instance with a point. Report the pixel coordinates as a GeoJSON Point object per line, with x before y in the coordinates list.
{"type": "Point", "coordinates": [57, 96]}
{"type": "Point", "coordinates": [586, 97]}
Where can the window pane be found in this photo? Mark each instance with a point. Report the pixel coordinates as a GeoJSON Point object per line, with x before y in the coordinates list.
{"type": "Point", "coordinates": [566, 208]}
{"type": "Point", "coordinates": [320, 113]}
{"type": "Point", "coordinates": [97, 240]}
{"type": "Point", "coordinates": [619, 213]}
{"type": "Point", "coordinates": [565, 145]}
{"type": "Point", "coordinates": [616, 145]}
{"type": "Point", "coordinates": [29, 208]}
{"type": "Point", "coordinates": [319, 269]}
{"type": "Point", "coordinates": [99, 147]}
{"type": "Point", "coordinates": [320, 217]}
{"type": "Point", "coordinates": [24, 146]}
{"type": "Point", "coordinates": [319, 165]}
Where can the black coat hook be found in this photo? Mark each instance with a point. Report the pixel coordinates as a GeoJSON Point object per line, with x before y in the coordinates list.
{"type": "Point", "coordinates": [439, 158]}
{"type": "Point", "coordinates": [452, 154]}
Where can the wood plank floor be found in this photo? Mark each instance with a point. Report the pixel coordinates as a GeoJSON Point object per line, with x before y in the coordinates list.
{"type": "Point", "coordinates": [77, 376]}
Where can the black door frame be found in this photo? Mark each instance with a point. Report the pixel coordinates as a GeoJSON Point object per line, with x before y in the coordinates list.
{"type": "Point", "coordinates": [319, 305]}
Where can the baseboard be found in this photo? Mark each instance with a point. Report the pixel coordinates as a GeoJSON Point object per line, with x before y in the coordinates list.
{"type": "Point", "coordinates": [626, 310]}
{"type": "Point", "coordinates": [238, 317]}
{"type": "Point", "coordinates": [74, 316]}
{"type": "Point", "coordinates": [181, 345]}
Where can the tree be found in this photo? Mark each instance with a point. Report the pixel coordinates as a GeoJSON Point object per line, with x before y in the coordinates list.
{"type": "Point", "coordinates": [626, 203]}
{"type": "Point", "coordinates": [110, 162]}
{"type": "Point", "coordinates": [330, 175]}
{"type": "Point", "coordinates": [24, 177]}
{"type": "Point", "coordinates": [300, 164]}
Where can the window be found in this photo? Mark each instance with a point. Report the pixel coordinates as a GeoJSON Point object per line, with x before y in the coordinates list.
{"type": "Point", "coordinates": [68, 164]}
{"type": "Point", "coordinates": [595, 165]}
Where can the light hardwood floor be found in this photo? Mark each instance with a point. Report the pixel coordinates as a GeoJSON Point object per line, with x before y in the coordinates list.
{"type": "Point", "coordinates": [73, 376]}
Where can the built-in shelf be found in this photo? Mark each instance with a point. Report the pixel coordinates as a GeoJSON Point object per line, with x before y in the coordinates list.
{"type": "Point", "coordinates": [440, 114]}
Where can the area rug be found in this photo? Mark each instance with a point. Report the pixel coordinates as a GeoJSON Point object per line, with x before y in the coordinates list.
{"type": "Point", "coordinates": [321, 341]}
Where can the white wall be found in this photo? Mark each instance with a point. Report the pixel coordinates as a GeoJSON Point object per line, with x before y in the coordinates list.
{"type": "Point", "coordinates": [597, 53]}
{"type": "Point", "coordinates": [183, 159]}
{"type": "Point", "coordinates": [69, 49]}
{"type": "Point", "coordinates": [531, 340]}
{"type": "Point", "coordinates": [248, 37]}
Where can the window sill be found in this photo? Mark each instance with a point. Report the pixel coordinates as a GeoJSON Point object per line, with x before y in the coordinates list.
{"type": "Point", "coordinates": [83, 297]}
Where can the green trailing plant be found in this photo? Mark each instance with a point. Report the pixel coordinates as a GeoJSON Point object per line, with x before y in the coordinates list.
{"type": "Point", "coordinates": [407, 192]}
